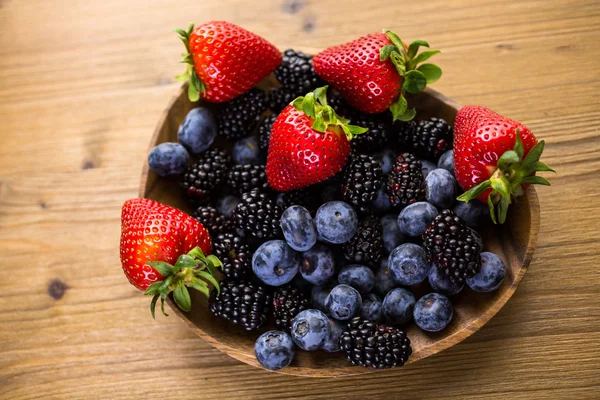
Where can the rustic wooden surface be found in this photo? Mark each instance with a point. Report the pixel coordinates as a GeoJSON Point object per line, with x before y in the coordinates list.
{"type": "Point", "coordinates": [81, 87]}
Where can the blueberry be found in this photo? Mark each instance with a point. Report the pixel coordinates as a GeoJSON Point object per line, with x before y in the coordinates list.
{"type": "Point", "coordinates": [475, 213]}
{"type": "Point", "coordinates": [226, 205]}
{"type": "Point", "coordinates": [336, 328]}
{"type": "Point", "coordinates": [382, 201]}
{"type": "Point", "coordinates": [336, 222]}
{"type": "Point", "coordinates": [440, 188]}
{"type": "Point", "coordinates": [491, 274]}
{"type": "Point", "coordinates": [343, 302]}
{"type": "Point", "coordinates": [446, 161]}
{"type": "Point", "coordinates": [198, 130]}
{"type": "Point", "coordinates": [310, 329]}
{"type": "Point", "coordinates": [386, 159]}
{"type": "Point", "coordinates": [414, 219]}
{"type": "Point", "coordinates": [168, 159]}
{"type": "Point", "coordinates": [274, 350]}
{"type": "Point", "coordinates": [398, 306]}
{"type": "Point", "coordinates": [358, 276]}
{"type": "Point", "coordinates": [441, 284]}
{"type": "Point", "coordinates": [426, 167]}
{"type": "Point", "coordinates": [246, 151]}
{"type": "Point", "coordinates": [372, 307]}
{"type": "Point", "coordinates": [384, 280]}
{"type": "Point", "coordinates": [317, 264]}
{"type": "Point", "coordinates": [392, 236]}
{"type": "Point", "coordinates": [408, 264]}
{"type": "Point", "coordinates": [298, 228]}
{"type": "Point", "coordinates": [433, 312]}
{"type": "Point", "coordinates": [275, 263]}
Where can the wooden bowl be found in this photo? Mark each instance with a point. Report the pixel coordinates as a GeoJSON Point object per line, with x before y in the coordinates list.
{"type": "Point", "coordinates": [514, 242]}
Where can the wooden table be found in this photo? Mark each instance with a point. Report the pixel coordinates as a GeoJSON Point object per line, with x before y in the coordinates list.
{"type": "Point", "coordinates": [82, 84]}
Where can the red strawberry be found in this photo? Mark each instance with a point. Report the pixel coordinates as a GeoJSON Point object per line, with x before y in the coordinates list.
{"type": "Point", "coordinates": [309, 143]}
{"type": "Point", "coordinates": [495, 158]}
{"type": "Point", "coordinates": [373, 72]}
{"type": "Point", "coordinates": [155, 236]}
{"type": "Point", "coordinates": [225, 60]}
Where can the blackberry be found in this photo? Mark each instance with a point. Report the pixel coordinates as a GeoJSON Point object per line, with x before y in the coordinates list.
{"type": "Point", "coordinates": [404, 132]}
{"type": "Point", "coordinates": [375, 138]}
{"type": "Point", "coordinates": [452, 247]}
{"type": "Point", "coordinates": [367, 344]}
{"type": "Point", "coordinates": [306, 197]}
{"type": "Point", "coordinates": [362, 179]}
{"type": "Point", "coordinates": [264, 131]}
{"type": "Point", "coordinates": [242, 303]}
{"type": "Point", "coordinates": [428, 138]}
{"type": "Point", "coordinates": [213, 221]}
{"type": "Point", "coordinates": [234, 253]}
{"type": "Point", "coordinates": [288, 301]}
{"type": "Point", "coordinates": [245, 177]}
{"type": "Point", "coordinates": [278, 99]}
{"type": "Point", "coordinates": [405, 184]}
{"type": "Point", "coordinates": [366, 245]}
{"type": "Point", "coordinates": [258, 215]}
{"type": "Point", "coordinates": [296, 73]}
{"type": "Point", "coordinates": [208, 172]}
{"type": "Point", "coordinates": [240, 116]}
{"type": "Point", "coordinates": [341, 108]}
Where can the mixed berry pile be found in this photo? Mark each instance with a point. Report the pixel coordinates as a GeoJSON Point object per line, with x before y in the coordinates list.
{"type": "Point", "coordinates": [328, 206]}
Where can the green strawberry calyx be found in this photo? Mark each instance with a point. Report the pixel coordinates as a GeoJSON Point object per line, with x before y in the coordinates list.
{"type": "Point", "coordinates": [191, 270]}
{"type": "Point", "coordinates": [196, 86]}
{"type": "Point", "coordinates": [314, 105]}
{"type": "Point", "coordinates": [409, 65]}
{"type": "Point", "coordinates": [513, 170]}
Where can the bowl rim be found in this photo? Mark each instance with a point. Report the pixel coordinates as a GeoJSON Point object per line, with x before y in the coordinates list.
{"type": "Point", "coordinates": [440, 345]}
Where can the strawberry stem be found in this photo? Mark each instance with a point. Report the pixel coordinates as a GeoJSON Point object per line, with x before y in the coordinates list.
{"type": "Point", "coordinates": [196, 86]}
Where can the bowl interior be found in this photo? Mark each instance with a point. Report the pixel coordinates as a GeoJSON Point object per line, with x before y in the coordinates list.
{"type": "Point", "coordinates": [514, 242]}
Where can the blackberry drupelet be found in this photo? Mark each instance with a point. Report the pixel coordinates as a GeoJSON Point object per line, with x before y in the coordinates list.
{"type": "Point", "coordinates": [366, 246]}
{"type": "Point", "coordinates": [239, 117]}
{"type": "Point", "coordinates": [404, 132]}
{"type": "Point", "coordinates": [362, 179]}
{"type": "Point", "coordinates": [234, 253]}
{"type": "Point", "coordinates": [428, 138]}
{"type": "Point", "coordinates": [405, 183]}
{"type": "Point", "coordinates": [245, 177]}
{"type": "Point", "coordinates": [367, 344]}
{"type": "Point", "coordinates": [242, 303]}
{"type": "Point", "coordinates": [376, 138]}
{"type": "Point", "coordinates": [207, 173]}
{"type": "Point", "coordinates": [258, 215]}
{"type": "Point", "coordinates": [278, 99]}
{"type": "Point", "coordinates": [288, 301]}
{"type": "Point", "coordinates": [306, 197]}
{"type": "Point", "coordinates": [452, 247]}
{"type": "Point", "coordinates": [264, 131]}
{"type": "Point", "coordinates": [213, 221]}
{"type": "Point", "coordinates": [296, 73]}
{"type": "Point", "coordinates": [337, 102]}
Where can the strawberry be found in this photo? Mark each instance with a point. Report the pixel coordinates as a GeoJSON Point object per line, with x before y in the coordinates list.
{"type": "Point", "coordinates": [224, 60]}
{"type": "Point", "coordinates": [373, 72]}
{"type": "Point", "coordinates": [155, 236]}
{"type": "Point", "coordinates": [309, 143]}
{"type": "Point", "coordinates": [495, 158]}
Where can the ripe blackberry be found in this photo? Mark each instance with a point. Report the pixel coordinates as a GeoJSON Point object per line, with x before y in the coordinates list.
{"type": "Point", "coordinates": [213, 221]}
{"type": "Point", "coordinates": [375, 138]}
{"type": "Point", "coordinates": [296, 73]}
{"type": "Point", "coordinates": [341, 108]}
{"type": "Point", "coordinates": [366, 245]}
{"type": "Point", "coordinates": [429, 138]}
{"type": "Point", "coordinates": [240, 116]}
{"type": "Point", "coordinates": [245, 177]}
{"type": "Point", "coordinates": [264, 131]}
{"type": "Point", "coordinates": [367, 344]}
{"type": "Point", "coordinates": [258, 215]}
{"type": "Point", "coordinates": [234, 253]}
{"type": "Point", "coordinates": [306, 197]}
{"type": "Point", "coordinates": [452, 247]}
{"type": "Point", "coordinates": [362, 179]}
{"type": "Point", "coordinates": [288, 301]}
{"type": "Point", "coordinates": [279, 98]}
{"type": "Point", "coordinates": [202, 177]}
{"type": "Point", "coordinates": [405, 183]}
{"type": "Point", "coordinates": [242, 303]}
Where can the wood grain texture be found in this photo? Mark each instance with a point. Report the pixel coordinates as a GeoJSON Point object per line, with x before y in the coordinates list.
{"type": "Point", "coordinates": [514, 242]}
{"type": "Point", "coordinates": [82, 85]}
